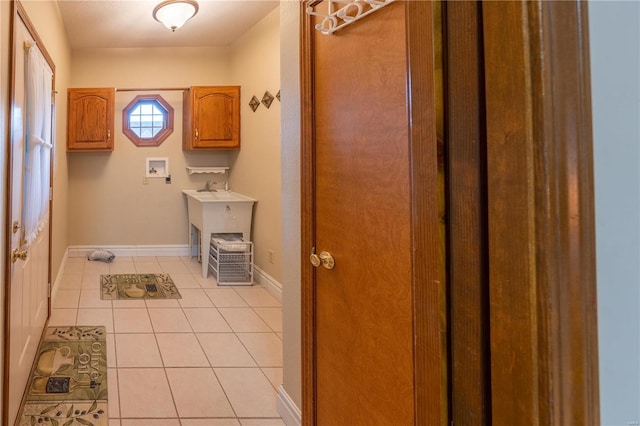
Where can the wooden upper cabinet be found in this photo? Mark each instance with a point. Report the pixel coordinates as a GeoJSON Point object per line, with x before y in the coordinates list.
{"type": "Point", "coordinates": [90, 119]}
{"type": "Point", "coordinates": [211, 118]}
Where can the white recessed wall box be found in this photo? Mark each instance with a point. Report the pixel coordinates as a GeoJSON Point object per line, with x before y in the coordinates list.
{"type": "Point", "coordinates": [157, 167]}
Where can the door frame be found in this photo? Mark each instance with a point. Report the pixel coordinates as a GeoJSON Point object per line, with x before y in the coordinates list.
{"type": "Point", "coordinates": [18, 12]}
{"type": "Point", "coordinates": [541, 214]}
{"type": "Point", "coordinates": [467, 251]}
{"type": "Point", "coordinates": [532, 299]}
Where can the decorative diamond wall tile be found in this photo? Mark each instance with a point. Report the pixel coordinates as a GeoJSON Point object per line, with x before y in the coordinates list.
{"type": "Point", "coordinates": [267, 99]}
{"type": "Point", "coordinates": [278, 96]}
{"type": "Point", "coordinates": [254, 103]}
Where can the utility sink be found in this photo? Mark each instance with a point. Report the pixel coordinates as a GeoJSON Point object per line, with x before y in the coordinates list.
{"type": "Point", "coordinates": [216, 212]}
{"type": "Point", "coordinates": [216, 196]}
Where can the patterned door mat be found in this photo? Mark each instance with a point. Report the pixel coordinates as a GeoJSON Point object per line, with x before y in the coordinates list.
{"type": "Point", "coordinates": [138, 286]}
{"type": "Point", "coordinates": [68, 384]}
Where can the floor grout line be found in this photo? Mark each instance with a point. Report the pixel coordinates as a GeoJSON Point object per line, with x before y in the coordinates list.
{"type": "Point", "coordinates": [204, 287]}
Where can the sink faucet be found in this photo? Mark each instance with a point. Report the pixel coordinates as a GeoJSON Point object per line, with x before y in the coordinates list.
{"type": "Point", "coordinates": [207, 187]}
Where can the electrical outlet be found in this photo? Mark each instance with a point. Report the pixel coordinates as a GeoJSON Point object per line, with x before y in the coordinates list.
{"type": "Point", "coordinates": [271, 254]}
{"type": "Point", "coordinates": [145, 181]}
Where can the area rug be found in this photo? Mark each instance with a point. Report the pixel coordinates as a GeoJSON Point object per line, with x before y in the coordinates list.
{"type": "Point", "coordinates": [138, 286]}
{"type": "Point", "coordinates": [68, 384]}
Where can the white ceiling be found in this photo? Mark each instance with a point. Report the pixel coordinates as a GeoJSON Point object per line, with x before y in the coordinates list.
{"type": "Point", "coordinates": [129, 23]}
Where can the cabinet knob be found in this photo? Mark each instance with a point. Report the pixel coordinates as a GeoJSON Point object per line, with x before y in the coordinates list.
{"type": "Point", "coordinates": [196, 134]}
{"type": "Point", "coordinates": [108, 135]}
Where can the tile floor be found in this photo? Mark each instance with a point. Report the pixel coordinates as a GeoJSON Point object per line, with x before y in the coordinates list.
{"type": "Point", "coordinates": [212, 358]}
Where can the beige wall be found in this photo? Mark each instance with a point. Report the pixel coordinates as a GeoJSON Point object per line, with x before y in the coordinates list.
{"type": "Point", "coordinates": [255, 169]}
{"type": "Point", "coordinates": [109, 204]}
{"type": "Point", "coordinates": [290, 76]}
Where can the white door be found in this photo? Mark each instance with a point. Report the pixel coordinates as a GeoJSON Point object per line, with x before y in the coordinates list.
{"type": "Point", "coordinates": [29, 303]}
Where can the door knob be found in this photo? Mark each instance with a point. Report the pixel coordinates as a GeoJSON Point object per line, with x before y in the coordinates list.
{"type": "Point", "coordinates": [18, 254]}
{"type": "Point", "coordinates": [325, 259]}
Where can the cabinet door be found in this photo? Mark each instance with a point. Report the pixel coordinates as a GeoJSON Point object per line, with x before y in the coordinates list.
{"type": "Point", "coordinates": [216, 117]}
{"type": "Point", "coordinates": [90, 119]}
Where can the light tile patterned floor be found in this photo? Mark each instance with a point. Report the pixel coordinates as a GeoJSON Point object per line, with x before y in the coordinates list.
{"type": "Point", "coordinates": [212, 358]}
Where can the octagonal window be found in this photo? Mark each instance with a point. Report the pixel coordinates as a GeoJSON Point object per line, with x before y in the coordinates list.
{"type": "Point", "coordinates": [147, 120]}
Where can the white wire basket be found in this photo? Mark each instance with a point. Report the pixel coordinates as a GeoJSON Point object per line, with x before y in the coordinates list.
{"type": "Point", "coordinates": [231, 259]}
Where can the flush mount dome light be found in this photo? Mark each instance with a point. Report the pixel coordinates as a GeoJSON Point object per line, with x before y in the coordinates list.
{"type": "Point", "coordinates": [174, 13]}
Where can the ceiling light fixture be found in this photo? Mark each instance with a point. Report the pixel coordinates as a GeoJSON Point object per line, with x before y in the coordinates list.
{"type": "Point", "coordinates": [174, 13]}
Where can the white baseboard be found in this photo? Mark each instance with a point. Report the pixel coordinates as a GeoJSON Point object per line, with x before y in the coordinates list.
{"type": "Point", "coordinates": [260, 276]}
{"type": "Point", "coordinates": [288, 409]}
{"type": "Point", "coordinates": [133, 251]}
{"type": "Point", "coordinates": [55, 285]}
{"type": "Point", "coordinates": [270, 283]}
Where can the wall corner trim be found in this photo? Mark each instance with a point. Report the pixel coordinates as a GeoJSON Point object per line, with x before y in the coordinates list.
{"type": "Point", "coordinates": [55, 286]}
{"type": "Point", "coordinates": [261, 277]}
{"type": "Point", "coordinates": [133, 251]}
{"type": "Point", "coordinates": [288, 409]}
{"type": "Point", "coordinates": [270, 283]}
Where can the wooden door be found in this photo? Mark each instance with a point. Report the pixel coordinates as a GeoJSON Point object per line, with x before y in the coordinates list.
{"type": "Point", "coordinates": [28, 263]}
{"type": "Point", "coordinates": [371, 182]}
{"type": "Point", "coordinates": [521, 317]}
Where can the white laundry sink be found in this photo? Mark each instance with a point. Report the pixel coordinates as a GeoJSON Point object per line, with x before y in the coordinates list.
{"type": "Point", "coordinates": [217, 196]}
{"type": "Point", "coordinates": [217, 212]}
